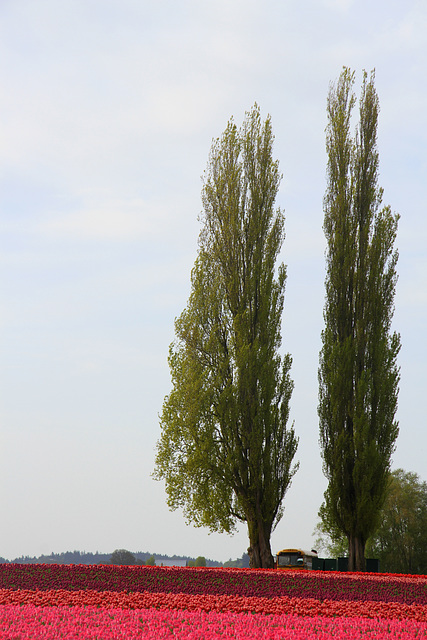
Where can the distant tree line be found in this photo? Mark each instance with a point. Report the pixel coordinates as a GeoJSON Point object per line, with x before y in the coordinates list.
{"type": "Point", "coordinates": [119, 556]}
{"type": "Point", "coordinates": [200, 561]}
{"type": "Point", "coordinates": [67, 557]}
{"type": "Point", "coordinates": [242, 562]}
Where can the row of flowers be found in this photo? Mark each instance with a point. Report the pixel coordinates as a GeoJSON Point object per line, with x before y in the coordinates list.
{"type": "Point", "coordinates": [221, 603]}
{"type": "Point", "coordinates": [213, 581]}
{"type": "Point", "coordinates": [90, 623]}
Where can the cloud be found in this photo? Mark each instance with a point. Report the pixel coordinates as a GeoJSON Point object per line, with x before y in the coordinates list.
{"type": "Point", "coordinates": [165, 218]}
{"type": "Point", "coordinates": [338, 5]}
{"type": "Point", "coordinates": [114, 220]}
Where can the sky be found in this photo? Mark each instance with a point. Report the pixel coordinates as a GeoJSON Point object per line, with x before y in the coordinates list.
{"type": "Point", "coordinates": [108, 109]}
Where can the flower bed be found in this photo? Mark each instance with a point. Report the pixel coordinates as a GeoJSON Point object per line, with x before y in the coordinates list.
{"type": "Point", "coordinates": [114, 602]}
{"type": "Point", "coordinates": [91, 623]}
{"type": "Point", "coordinates": [243, 582]}
{"type": "Point", "coordinates": [224, 603]}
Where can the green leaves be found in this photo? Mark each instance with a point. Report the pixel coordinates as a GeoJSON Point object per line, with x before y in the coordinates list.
{"type": "Point", "coordinates": [358, 373]}
{"type": "Point", "coordinates": [225, 451]}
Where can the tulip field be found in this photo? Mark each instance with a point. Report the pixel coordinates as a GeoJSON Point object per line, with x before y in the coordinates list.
{"type": "Point", "coordinates": [104, 602]}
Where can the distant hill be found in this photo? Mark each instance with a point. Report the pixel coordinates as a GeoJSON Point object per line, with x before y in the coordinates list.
{"type": "Point", "coordinates": [83, 557]}
{"type": "Point", "coordinates": [68, 557]}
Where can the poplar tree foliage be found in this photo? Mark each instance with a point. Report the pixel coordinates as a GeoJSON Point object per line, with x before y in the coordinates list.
{"type": "Point", "coordinates": [225, 450]}
{"type": "Point", "coordinates": [358, 373]}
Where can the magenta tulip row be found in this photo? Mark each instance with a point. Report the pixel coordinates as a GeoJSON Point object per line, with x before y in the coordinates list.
{"type": "Point", "coordinates": [248, 583]}
{"type": "Point", "coordinates": [91, 623]}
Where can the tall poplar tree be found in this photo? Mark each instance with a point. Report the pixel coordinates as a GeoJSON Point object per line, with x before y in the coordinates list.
{"type": "Point", "coordinates": [225, 451]}
{"type": "Point", "coordinates": [358, 373]}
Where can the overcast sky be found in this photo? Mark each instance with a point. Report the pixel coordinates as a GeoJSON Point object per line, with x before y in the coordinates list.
{"type": "Point", "coordinates": [108, 109]}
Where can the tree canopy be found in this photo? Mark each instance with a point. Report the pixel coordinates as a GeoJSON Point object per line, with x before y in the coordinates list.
{"type": "Point", "coordinates": [122, 556]}
{"type": "Point", "coordinates": [225, 450]}
{"type": "Point", "coordinates": [358, 373]}
{"type": "Point", "coordinates": [400, 541]}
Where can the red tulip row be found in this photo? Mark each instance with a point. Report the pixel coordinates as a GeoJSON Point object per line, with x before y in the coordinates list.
{"type": "Point", "coordinates": [224, 603]}
{"type": "Point", "coordinates": [27, 622]}
{"type": "Point", "coordinates": [213, 581]}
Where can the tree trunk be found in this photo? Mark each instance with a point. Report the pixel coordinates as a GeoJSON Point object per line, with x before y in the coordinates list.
{"type": "Point", "coordinates": [260, 556]}
{"type": "Point", "coordinates": [356, 554]}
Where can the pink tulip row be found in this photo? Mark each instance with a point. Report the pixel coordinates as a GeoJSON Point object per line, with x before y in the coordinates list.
{"type": "Point", "coordinates": [91, 623]}
{"type": "Point", "coordinates": [221, 603]}
{"type": "Point", "coordinates": [250, 583]}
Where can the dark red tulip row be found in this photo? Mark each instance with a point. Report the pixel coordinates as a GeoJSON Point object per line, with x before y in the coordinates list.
{"type": "Point", "coordinates": [270, 584]}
